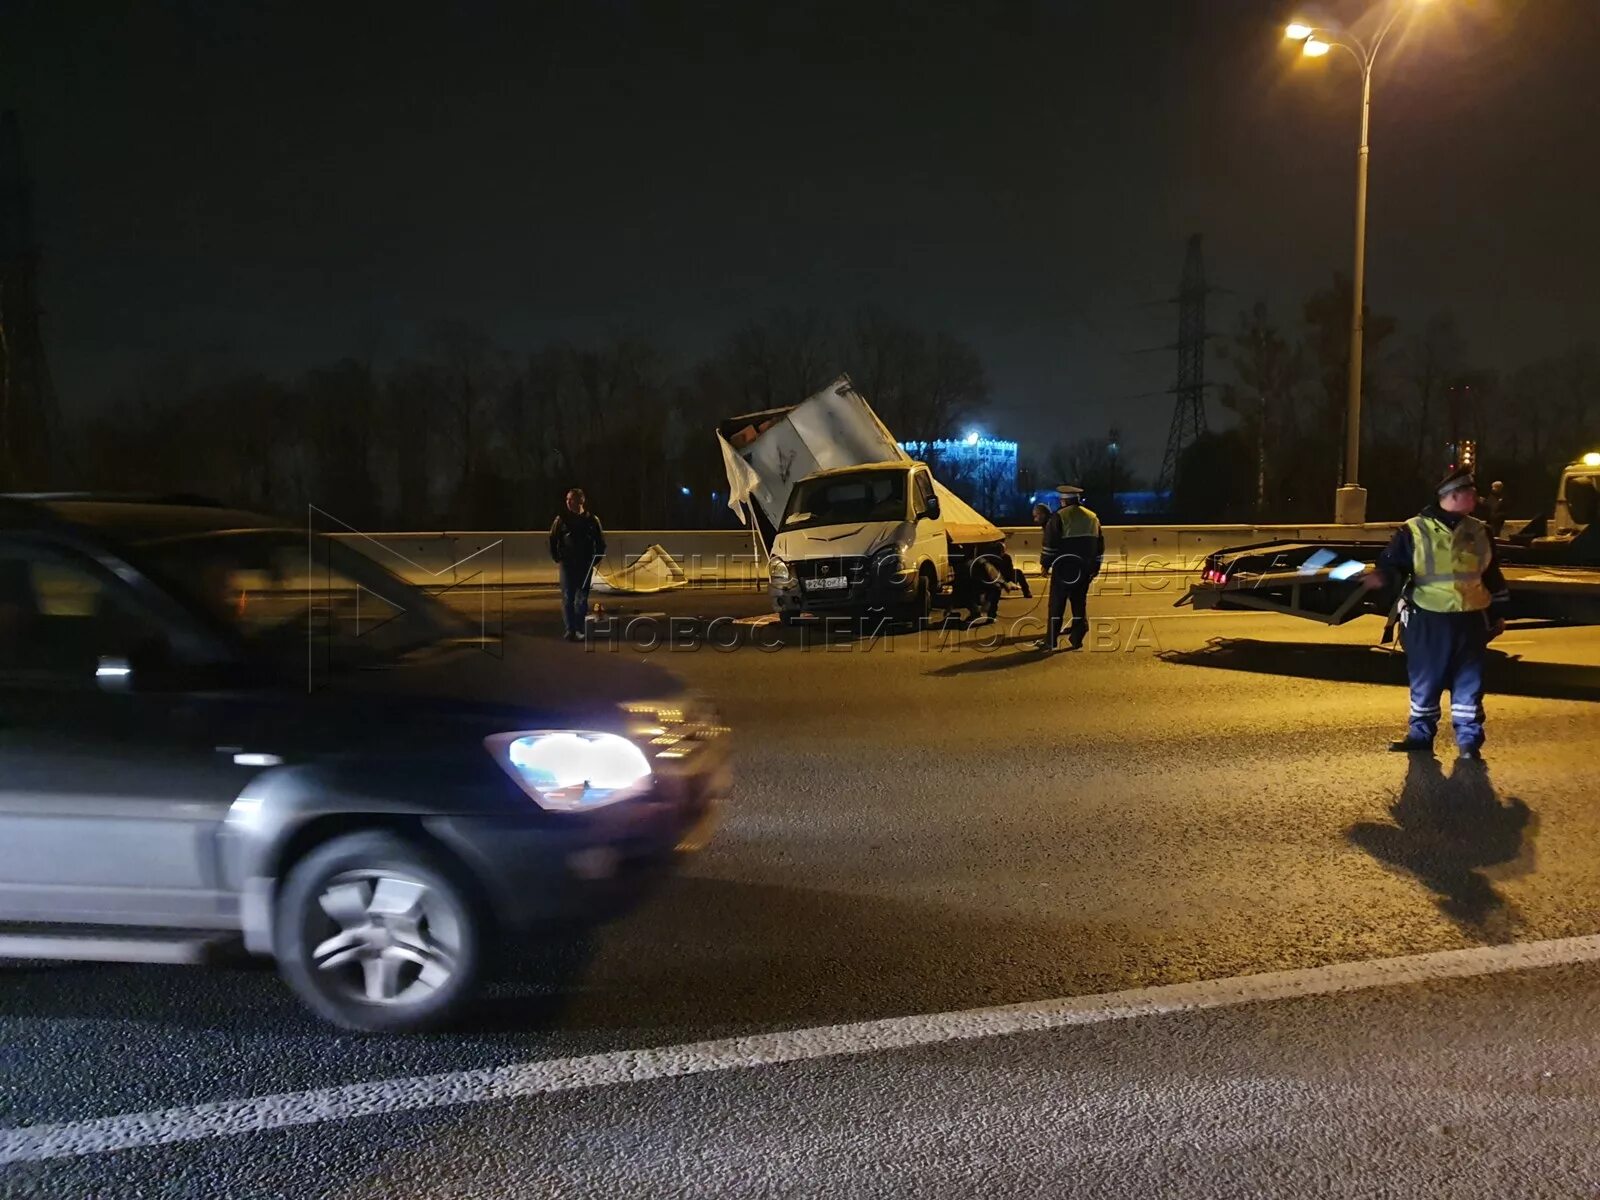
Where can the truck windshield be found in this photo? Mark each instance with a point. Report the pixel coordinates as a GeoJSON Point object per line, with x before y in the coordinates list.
{"type": "Point", "coordinates": [846, 499]}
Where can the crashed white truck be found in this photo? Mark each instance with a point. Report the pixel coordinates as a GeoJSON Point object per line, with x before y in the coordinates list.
{"type": "Point", "coordinates": [854, 526]}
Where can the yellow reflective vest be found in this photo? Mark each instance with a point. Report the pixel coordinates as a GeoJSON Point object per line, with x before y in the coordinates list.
{"type": "Point", "coordinates": [1447, 565]}
{"type": "Point", "coordinates": [1078, 521]}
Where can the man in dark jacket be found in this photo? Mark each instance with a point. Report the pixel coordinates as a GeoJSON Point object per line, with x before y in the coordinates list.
{"type": "Point", "coordinates": [1455, 597]}
{"type": "Point", "coordinates": [577, 542]}
{"type": "Point", "coordinates": [1074, 546]}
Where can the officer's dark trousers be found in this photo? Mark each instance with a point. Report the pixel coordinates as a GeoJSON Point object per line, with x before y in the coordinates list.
{"type": "Point", "coordinates": [1445, 651]}
{"type": "Point", "coordinates": [1069, 583]}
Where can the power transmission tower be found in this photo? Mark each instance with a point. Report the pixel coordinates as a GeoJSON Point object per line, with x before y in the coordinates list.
{"type": "Point", "coordinates": [27, 399]}
{"type": "Point", "coordinates": [1189, 412]}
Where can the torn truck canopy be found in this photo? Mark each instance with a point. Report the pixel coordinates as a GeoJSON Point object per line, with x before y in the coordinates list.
{"type": "Point", "coordinates": [834, 428]}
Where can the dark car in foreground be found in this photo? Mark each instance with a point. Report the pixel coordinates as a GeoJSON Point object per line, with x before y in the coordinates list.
{"type": "Point", "coordinates": [214, 727]}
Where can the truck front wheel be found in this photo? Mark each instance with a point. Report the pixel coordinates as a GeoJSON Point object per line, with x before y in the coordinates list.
{"type": "Point", "coordinates": [920, 611]}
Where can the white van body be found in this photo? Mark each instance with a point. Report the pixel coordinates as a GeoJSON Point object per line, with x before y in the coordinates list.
{"type": "Point", "coordinates": [834, 435]}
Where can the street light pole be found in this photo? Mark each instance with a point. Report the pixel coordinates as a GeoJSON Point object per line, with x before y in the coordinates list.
{"type": "Point", "coordinates": [1352, 495]}
{"type": "Point", "coordinates": [1350, 502]}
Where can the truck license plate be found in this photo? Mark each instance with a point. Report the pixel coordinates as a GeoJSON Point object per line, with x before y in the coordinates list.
{"type": "Point", "coordinates": [827, 583]}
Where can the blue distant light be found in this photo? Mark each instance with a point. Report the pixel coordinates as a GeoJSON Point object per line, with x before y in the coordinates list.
{"type": "Point", "coordinates": [971, 443]}
{"type": "Point", "coordinates": [684, 490]}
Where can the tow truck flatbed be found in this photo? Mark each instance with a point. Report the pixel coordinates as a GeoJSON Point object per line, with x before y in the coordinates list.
{"type": "Point", "coordinates": [1276, 577]}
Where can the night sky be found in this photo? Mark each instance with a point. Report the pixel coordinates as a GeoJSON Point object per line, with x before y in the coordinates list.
{"type": "Point", "coordinates": [277, 184]}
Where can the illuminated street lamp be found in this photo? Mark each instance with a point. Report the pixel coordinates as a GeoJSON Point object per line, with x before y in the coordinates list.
{"type": "Point", "coordinates": [1350, 504]}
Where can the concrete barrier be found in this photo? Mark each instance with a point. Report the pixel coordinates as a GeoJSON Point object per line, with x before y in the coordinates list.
{"type": "Point", "coordinates": [520, 558]}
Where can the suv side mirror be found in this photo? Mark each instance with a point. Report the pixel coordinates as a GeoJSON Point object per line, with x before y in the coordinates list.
{"type": "Point", "coordinates": [931, 511]}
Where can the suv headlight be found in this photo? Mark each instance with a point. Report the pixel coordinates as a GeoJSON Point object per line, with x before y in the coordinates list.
{"type": "Point", "coordinates": [571, 770]}
{"type": "Point", "coordinates": [780, 571]}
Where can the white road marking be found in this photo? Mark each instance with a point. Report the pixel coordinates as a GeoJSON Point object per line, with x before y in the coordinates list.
{"type": "Point", "coordinates": [290, 1109]}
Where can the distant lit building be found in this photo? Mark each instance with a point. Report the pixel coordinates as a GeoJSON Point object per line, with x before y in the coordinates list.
{"type": "Point", "coordinates": [1141, 503]}
{"type": "Point", "coordinates": [981, 470]}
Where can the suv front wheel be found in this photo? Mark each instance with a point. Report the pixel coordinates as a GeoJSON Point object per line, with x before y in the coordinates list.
{"type": "Point", "coordinates": [373, 933]}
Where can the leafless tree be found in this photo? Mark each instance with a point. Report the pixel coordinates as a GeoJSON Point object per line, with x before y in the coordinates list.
{"type": "Point", "coordinates": [1269, 370]}
{"type": "Point", "coordinates": [923, 386]}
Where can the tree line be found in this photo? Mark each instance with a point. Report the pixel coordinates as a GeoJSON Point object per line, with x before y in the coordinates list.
{"type": "Point", "coordinates": [469, 434]}
{"type": "Point", "coordinates": [466, 433]}
{"type": "Point", "coordinates": [1423, 393]}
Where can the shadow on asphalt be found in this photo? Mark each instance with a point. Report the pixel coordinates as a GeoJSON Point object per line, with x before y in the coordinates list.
{"type": "Point", "coordinates": [1505, 674]}
{"type": "Point", "coordinates": [710, 958]}
{"type": "Point", "coordinates": [244, 996]}
{"type": "Point", "coordinates": [1021, 654]}
{"type": "Point", "coordinates": [702, 958]}
{"type": "Point", "coordinates": [1450, 832]}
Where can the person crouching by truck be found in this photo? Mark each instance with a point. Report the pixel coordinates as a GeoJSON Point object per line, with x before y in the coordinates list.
{"type": "Point", "coordinates": [577, 543]}
{"type": "Point", "coordinates": [980, 583]}
{"type": "Point", "coordinates": [1455, 599]}
{"type": "Point", "coordinates": [989, 577]}
{"type": "Point", "coordinates": [1074, 546]}
{"type": "Point", "coordinates": [1012, 574]}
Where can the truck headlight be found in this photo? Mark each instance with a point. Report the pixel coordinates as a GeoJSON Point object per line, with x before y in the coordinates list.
{"type": "Point", "coordinates": [780, 572]}
{"type": "Point", "coordinates": [891, 560]}
{"type": "Point", "coordinates": [571, 770]}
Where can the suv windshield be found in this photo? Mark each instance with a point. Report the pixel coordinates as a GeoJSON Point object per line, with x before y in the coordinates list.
{"type": "Point", "coordinates": [844, 499]}
{"type": "Point", "coordinates": [276, 589]}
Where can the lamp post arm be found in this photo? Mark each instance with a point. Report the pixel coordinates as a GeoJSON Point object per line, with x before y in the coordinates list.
{"type": "Point", "coordinates": [1377, 42]}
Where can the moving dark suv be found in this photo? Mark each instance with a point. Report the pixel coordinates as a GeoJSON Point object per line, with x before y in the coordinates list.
{"type": "Point", "coordinates": [214, 726]}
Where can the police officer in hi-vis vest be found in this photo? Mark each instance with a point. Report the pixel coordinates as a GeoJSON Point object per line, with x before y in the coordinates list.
{"type": "Point", "coordinates": [1455, 598]}
{"type": "Point", "coordinates": [1072, 551]}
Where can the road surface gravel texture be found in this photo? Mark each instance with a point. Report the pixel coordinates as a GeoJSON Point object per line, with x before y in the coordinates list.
{"type": "Point", "coordinates": [925, 825]}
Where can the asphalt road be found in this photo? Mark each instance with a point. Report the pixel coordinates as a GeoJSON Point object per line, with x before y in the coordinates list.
{"type": "Point", "coordinates": [933, 823]}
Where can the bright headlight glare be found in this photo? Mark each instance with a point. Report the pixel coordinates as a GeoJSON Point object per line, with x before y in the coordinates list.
{"type": "Point", "coordinates": [568, 770]}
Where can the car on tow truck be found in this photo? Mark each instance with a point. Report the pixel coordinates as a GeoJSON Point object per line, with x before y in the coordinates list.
{"type": "Point", "coordinates": [1552, 566]}
{"type": "Point", "coordinates": [218, 729]}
